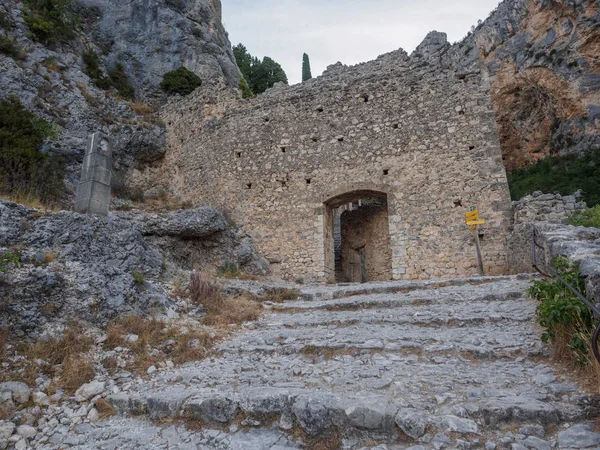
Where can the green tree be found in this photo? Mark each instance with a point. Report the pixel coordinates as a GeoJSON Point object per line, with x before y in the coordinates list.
{"type": "Point", "coordinates": [51, 21]}
{"type": "Point", "coordinates": [244, 60]}
{"type": "Point", "coordinates": [24, 167]}
{"type": "Point", "coordinates": [259, 75]}
{"type": "Point", "coordinates": [306, 74]}
{"type": "Point", "coordinates": [181, 81]}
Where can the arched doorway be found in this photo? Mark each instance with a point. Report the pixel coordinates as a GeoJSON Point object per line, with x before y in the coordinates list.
{"type": "Point", "coordinates": [357, 238]}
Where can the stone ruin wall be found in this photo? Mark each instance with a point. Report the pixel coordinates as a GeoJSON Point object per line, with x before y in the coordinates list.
{"type": "Point", "coordinates": [409, 127]}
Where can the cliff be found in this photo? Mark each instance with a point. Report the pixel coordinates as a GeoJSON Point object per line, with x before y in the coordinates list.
{"type": "Point", "coordinates": [543, 58]}
{"type": "Point", "coordinates": [146, 38]}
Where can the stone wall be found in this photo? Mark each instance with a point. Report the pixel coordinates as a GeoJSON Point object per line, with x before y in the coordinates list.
{"type": "Point", "coordinates": [366, 230]}
{"type": "Point", "coordinates": [411, 128]}
{"type": "Point", "coordinates": [540, 207]}
{"type": "Point", "coordinates": [580, 245]}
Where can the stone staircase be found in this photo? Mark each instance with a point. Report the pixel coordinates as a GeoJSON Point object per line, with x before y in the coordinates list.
{"type": "Point", "coordinates": [432, 364]}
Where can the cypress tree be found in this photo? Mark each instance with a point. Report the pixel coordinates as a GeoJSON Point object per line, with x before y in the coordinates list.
{"type": "Point", "coordinates": [306, 75]}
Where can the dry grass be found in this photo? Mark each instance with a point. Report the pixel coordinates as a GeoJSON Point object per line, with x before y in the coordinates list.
{"type": "Point", "coordinates": [56, 350]}
{"type": "Point", "coordinates": [76, 371]}
{"type": "Point", "coordinates": [281, 295]}
{"type": "Point", "coordinates": [156, 342]}
{"type": "Point", "coordinates": [141, 108]}
{"type": "Point", "coordinates": [234, 311]}
{"type": "Point", "coordinates": [28, 199]}
{"type": "Point", "coordinates": [49, 257]}
{"type": "Point", "coordinates": [105, 409]}
{"type": "Point", "coordinates": [4, 337]}
{"type": "Point", "coordinates": [192, 346]}
{"type": "Point", "coordinates": [221, 310]}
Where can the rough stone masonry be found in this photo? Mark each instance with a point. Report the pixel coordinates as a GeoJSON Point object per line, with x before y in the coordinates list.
{"type": "Point", "coordinates": [413, 130]}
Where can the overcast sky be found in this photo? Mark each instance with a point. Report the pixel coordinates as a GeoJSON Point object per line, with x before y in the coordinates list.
{"type": "Point", "coordinates": [350, 31]}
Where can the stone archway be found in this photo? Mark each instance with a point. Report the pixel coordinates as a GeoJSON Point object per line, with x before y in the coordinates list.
{"type": "Point", "coordinates": [357, 237]}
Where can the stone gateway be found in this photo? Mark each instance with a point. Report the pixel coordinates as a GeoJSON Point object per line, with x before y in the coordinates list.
{"type": "Point", "coordinates": [384, 157]}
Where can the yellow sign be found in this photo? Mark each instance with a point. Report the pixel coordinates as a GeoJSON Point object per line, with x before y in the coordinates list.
{"type": "Point", "coordinates": [472, 215]}
{"type": "Point", "coordinates": [475, 222]}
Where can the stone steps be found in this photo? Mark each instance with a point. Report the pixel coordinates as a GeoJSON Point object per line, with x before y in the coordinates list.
{"type": "Point", "coordinates": [463, 359]}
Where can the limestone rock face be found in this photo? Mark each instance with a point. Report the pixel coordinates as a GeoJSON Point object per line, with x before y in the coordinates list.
{"type": "Point", "coordinates": [153, 37]}
{"type": "Point", "coordinates": [74, 266]}
{"type": "Point", "coordinates": [542, 58]}
{"type": "Point", "coordinates": [148, 38]}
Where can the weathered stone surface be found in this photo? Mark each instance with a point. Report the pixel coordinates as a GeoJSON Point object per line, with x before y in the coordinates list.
{"type": "Point", "coordinates": [371, 413]}
{"type": "Point", "coordinates": [89, 390]}
{"type": "Point", "coordinates": [578, 436]}
{"type": "Point", "coordinates": [412, 422]}
{"type": "Point", "coordinates": [20, 391]}
{"type": "Point", "coordinates": [82, 267]}
{"type": "Point", "coordinates": [198, 223]}
{"type": "Point", "coordinates": [26, 431]}
{"type": "Point", "coordinates": [578, 244]}
{"type": "Point", "coordinates": [6, 431]}
{"type": "Point", "coordinates": [347, 136]}
{"type": "Point", "coordinates": [217, 408]}
{"type": "Point", "coordinates": [317, 413]}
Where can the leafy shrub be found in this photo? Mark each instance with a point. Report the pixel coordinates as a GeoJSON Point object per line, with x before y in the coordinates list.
{"type": "Point", "coordinates": [117, 78]}
{"type": "Point", "coordinates": [588, 218]}
{"type": "Point", "coordinates": [246, 91]}
{"type": "Point", "coordinates": [228, 269]}
{"type": "Point", "coordinates": [6, 22]}
{"type": "Point", "coordinates": [181, 81]}
{"type": "Point", "coordinates": [24, 167]}
{"type": "Point", "coordinates": [8, 260]}
{"type": "Point", "coordinates": [568, 322]}
{"type": "Point", "coordinates": [9, 47]}
{"type": "Point", "coordinates": [138, 277]}
{"type": "Point", "coordinates": [51, 21]}
{"type": "Point", "coordinates": [562, 174]}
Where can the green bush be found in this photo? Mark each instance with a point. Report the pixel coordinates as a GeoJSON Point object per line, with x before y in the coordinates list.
{"type": "Point", "coordinates": [588, 218]}
{"type": "Point", "coordinates": [24, 167]}
{"type": "Point", "coordinates": [181, 81]}
{"type": "Point", "coordinates": [560, 174]}
{"type": "Point", "coordinates": [117, 78]}
{"type": "Point", "coordinates": [138, 277]}
{"type": "Point", "coordinates": [9, 47]}
{"type": "Point", "coordinates": [228, 269]}
{"type": "Point", "coordinates": [50, 21]}
{"type": "Point", "coordinates": [6, 22]}
{"type": "Point", "coordinates": [246, 91]}
{"type": "Point", "coordinates": [8, 260]}
{"type": "Point", "coordinates": [568, 322]}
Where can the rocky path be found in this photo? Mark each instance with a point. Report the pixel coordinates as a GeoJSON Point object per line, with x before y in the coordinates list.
{"type": "Point", "coordinates": [443, 364]}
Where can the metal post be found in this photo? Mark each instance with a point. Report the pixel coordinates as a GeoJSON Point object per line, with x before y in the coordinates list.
{"type": "Point", "coordinates": [479, 259]}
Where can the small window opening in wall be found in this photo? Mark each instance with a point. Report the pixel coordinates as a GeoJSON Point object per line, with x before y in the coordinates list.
{"type": "Point", "coordinates": [340, 138]}
{"type": "Point", "coordinates": [457, 203]}
{"type": "Point", "coordinates": [471, 147]}
{"type": "Point", "coordinates": [283, 183]}
{"type": "Point", "coordinates": [386, 171]}
{"type": "Point", "coordinates": [365, 97]}
{"type": "Point", "coordinates": [320, 109]}
{"type": "Point", "coordinates": [249, 186]}
{"type": "Point", "coordinates": [315, 139]}
{"type": "Point", "coordinates": [170, 123]}
{"type": "Point", "coordinates": [308, 180]}
{"type": "Point", "coordinates": [283, 149]}
{"type": "Point", "coordinates": [238, 154]}
{"type": "Point", "coordinates": [395, 126]}
{"type": "Point", "coordinates": [461, 113]}
{"type": "Point", "coordinates": [267, 119]}
{"type": "Point", "coordinates": [481, 236]}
